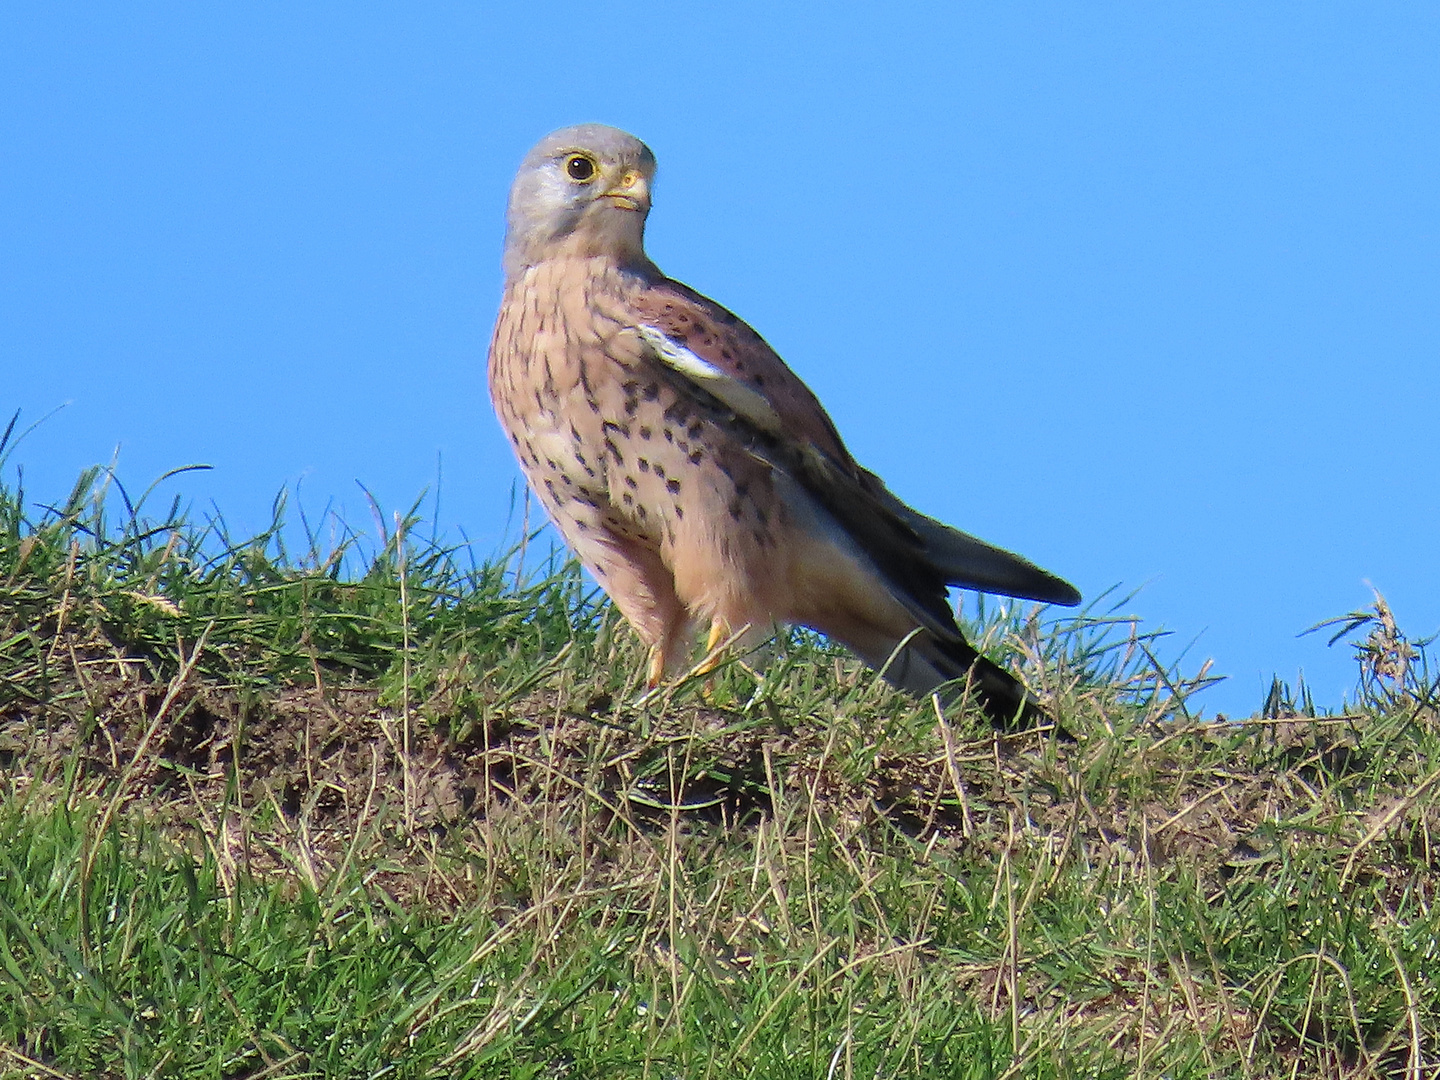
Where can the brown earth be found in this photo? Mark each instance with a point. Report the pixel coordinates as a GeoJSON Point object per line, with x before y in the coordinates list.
{"type": "Point", "coordinates": [298, 773]}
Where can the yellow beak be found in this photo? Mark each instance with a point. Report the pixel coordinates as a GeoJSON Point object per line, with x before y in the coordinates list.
{"type": "Point", "coordinates": [630, 192]}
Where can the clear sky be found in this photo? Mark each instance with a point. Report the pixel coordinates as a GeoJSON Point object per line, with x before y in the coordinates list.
{"type": "Point", "coordinates": [1146, 292]}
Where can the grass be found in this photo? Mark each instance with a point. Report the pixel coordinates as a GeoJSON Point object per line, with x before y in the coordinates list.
{"type": "Point", "coordinates": [395, 812]}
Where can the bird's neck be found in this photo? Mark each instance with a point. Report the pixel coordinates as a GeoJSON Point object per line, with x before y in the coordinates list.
{"type": "Point", "coordinates": [617, 238]}
{"type": "Point", "coordinates": [626, 271]}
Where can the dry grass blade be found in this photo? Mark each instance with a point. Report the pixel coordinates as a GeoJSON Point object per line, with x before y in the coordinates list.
{"type": "Point", "coordinates": [388, 809]}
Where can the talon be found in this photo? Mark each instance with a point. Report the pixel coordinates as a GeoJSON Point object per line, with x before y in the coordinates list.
{"type": "Point", "coordinates": [656, 671]}
{"type": "Point", "coordinates": [718, 633]}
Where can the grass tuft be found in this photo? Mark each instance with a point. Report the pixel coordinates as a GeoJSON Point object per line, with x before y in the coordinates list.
{"type": "Point", "coordinates": [378, 808]}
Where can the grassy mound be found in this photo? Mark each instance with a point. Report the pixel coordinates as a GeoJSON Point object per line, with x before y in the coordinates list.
{"type": "Point", "coordinates": [398, 813]}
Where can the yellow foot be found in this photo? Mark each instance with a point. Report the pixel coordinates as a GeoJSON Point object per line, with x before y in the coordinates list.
{"type": "Point", "coordinates": [713, 650]}
{"type": "Point", "coordinates": [716, 643]}
{"type": "Point", "coordinates": [656, 672]}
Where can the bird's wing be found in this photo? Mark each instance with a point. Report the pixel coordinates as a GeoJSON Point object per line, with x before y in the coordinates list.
{"type": "Point", "coordinates": [716, 350]}
{"type": "Point", "coordinates": [718, 353]}
{"type": "Point", "coordinates": [967, 562]}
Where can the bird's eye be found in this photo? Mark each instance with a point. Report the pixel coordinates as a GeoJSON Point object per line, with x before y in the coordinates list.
{"type": "Point", "coordinates": [580, 168]}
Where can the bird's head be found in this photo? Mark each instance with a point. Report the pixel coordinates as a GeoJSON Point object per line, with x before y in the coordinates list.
{"type": "Point", "coordinates": [581, 191]}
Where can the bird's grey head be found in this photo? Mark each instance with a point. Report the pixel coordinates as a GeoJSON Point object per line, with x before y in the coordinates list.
{"type": "Point", "coordinates": [582, 190]}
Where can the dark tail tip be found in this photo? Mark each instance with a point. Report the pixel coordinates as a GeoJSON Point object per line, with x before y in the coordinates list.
{"type": "Point", "coordinates": [1002, 697]}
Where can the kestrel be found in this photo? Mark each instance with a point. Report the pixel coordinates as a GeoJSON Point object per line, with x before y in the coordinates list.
{"type": "Point", "coordinates": [691, 471]}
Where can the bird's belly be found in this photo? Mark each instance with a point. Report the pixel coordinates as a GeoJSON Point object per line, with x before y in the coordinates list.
{"type": "Point", "coordinates": [710, 507]}
{"type": "Point", "coordinates": [638, 462]}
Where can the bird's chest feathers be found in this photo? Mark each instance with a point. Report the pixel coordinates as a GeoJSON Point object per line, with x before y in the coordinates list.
{"type": "Point", "coordinates": [621, 438]}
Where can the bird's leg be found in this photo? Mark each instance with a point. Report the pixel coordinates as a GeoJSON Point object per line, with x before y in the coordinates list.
{"type": "Point", "coordinates": [655, 673]}
{"type": "Point", "coordinates": [663, 652]}
{"type": "Point", "coordinates": [644, 590]}
{"type": "Point", "coordinates": [711, 660]}
{"type": "Point", "coordinates": [718, 633]}
{"type": "Point", "coordinates": [660, 659]}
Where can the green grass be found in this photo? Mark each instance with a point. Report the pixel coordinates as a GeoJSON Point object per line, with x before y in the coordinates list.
{"type": "Point", "coordinates": [394, 812]}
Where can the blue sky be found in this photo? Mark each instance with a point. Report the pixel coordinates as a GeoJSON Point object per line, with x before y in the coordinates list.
{"type": "Point", "coordinates": [1148, 293]}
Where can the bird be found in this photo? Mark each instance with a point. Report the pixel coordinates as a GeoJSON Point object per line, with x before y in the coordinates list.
{"type": "Point", "coordinates": [692, 472]}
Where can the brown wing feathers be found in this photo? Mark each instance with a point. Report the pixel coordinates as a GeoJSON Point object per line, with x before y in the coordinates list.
{"type": "Point", "coordinates": [919, 556]}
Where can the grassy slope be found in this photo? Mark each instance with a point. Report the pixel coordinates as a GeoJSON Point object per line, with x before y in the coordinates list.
{"type": "Point", "coordinates": [260, 817]}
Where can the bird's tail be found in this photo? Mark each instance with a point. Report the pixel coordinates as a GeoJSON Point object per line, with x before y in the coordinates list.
{"type": "Point", "coordinates": [925, 664]}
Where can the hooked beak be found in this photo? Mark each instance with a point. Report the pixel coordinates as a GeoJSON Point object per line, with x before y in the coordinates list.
{"type": "Point", "coordinates": [630, 192]}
